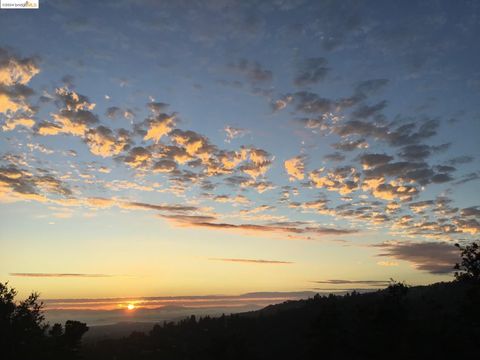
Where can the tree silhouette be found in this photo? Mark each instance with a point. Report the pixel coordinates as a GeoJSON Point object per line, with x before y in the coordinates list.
{"type": "Point", "coordinates": [24, 334]}
{"type": "Point", "coordinates": [74, 331]}
{"type": "Point", "coordinates": [469, 267]}
{"type": "Point", "coordinates": [22, 324]}
{"type": "Point", "coordinates": [397, 289]}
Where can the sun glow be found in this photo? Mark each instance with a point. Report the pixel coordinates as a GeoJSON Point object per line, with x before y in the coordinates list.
{"type": "Point", "coordinates": [130, 306]}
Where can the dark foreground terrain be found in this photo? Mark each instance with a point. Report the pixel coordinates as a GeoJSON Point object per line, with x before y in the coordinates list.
{"type": "Point", "coordinates": [436, 321]}
{"type": "Point", "coordinates": [439, 321]}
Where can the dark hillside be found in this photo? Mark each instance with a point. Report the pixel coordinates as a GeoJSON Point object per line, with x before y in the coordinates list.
{"type": "Point", "coordinates": [397, 323]}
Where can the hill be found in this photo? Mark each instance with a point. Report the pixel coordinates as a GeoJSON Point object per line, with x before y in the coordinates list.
{"type": "Point", "coordinates": [397, 323]}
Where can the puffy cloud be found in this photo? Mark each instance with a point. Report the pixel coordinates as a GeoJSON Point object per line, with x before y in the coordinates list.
{"type": "Point", "coordinates": [253, 71]}
{"type": "Point", "coordinates": [195, 145]}
{"type": "Point", "coordinates": [159, 126]}
{"type": "Point", "coordinates": [104, 170]}
{"type": "Point", "coordinates": [187, 159]}
{"type": "Point", "coordinates": [238, 199]}
{"type": "Point", "coordinates": [233, 133]}
{"type": "Point", "coordinates": [404, 171]}
{"type": "Point", "coordinates": [12, 123]}
{"type": "Point", "coordinates": [157, 107]}
{"type": "Point", "coordinates": [137, 157]}
{"type": "Point", "coordinates": [259, 186]}
{"type": "Point", "coordinates": [295, 168]}
{"type": "Point", "coordinates": [311, 71]}
{"type": "Point", "coordinates": [75, 118]}
{"type": "Point", "coordinates": [119, 185]}
{"type": "Point", "coordinates": [281, 103]}
{"type": "Point", "coordinates": [372, 160]}
{"type": "Point", "coordinates": [104, 143]}
{"type": "Point", "coordinates": [259, 156]}
{"type": "Point", "coordinates": [246, 182]}
{"type": "Point", "coordinates": [392, 192]}
{"type": "Point", "coordinates": [471, 211]}
{"type": "Point", "coordinates": [372, 183]}
{"type": "Point", "coordinates": [418, 152]}
{"type": "Point", "coordinates": [98, 202]}
{"type": "Point", "coordinates": [74, 122]}
{"type": "Point", "coordinates": [165, 166]}
{"type": "Point", "coordinates": [11, 173]}
{"type": "Point", "coordinates": [113, 112]}
{"type": "Point", "coordinates": [467, 226]}
{"type": "Point", "coordinates": [73, 101]}
{"type": "Point", "coordinates": [421, 206]}
{"type": "Point", "coordinates": [365, 111]}
{"type": "Point", "coordinates": [414, 152]}
{"type": "Point", "coordinates": [441, 178]}
{"type": "Point", "coordinates": [405, 134]}
{"type": "Point", "coordinates": [19, 184]}
{"type": "Point", "coordinates": [41, 148]}
{"type": "Point", "coordinates": [50, 184]}
{"type": "Point", "coordinates": [255, 170]}
{"type": "Point", "coordinates": [173, 152]}
{"type": "Point", "coordinates": [351, 145]}
{"type": "Point", "coordinates": [260, 161]}
{"type": "Point", "coordinates": [311, 103]}
{"type": "Point", "coordinates": [8, 105]}
{"type": "Point", "coordinates": [343, 180]}
{"type": "Point", "coordinates": [15, 74]}
{"type": "Point", "coordinates": [319, 206]}
{"type": "Point", "coordinates": [230, 159]}
{"type": "Point", "coordinates": [15, 70]}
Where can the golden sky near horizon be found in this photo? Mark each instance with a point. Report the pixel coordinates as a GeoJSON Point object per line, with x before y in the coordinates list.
{"type": "Point", "coordinates": [226, 147]}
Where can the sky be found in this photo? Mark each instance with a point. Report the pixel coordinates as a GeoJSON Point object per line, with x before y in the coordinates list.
{"type": "Point", "coordinates": [193, 148]}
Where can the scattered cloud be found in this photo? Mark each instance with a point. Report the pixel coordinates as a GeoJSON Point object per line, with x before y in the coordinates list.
{"type": "Point", "coordinates": [159, 126]}
{"type": "Point", "coordinates": [15, 73]}
{"type": "Point", "coordinates": [354, 282]}
{"type": "Point", "coordinates": [433, 257]}
{"type": "Point", "coordinates": [279, 228]}
{"type": "Point", "coordinates": [61, 275]}
{"type": "Point", "coordinates": [311, 71]}
{"type": "Point", "coordinates": [387, 263]}
{"type": "Point", "coordinates": [375, 177]}
{"type": "Point", "coordinates": [252, 261]}
{"type": "Point", "coordinates": [295, 168]}
{"type": "Point", "coordinates": [253, 71]}
{"type": "Point", "coordinates": [233, 133]}
{"type": "Point", "coordinates": [281, 103]}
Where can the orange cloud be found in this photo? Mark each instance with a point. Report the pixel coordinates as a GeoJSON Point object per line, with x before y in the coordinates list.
{"type": "Point", "coordinates": [159, 126]}
{"type": "Point", "coordinates": [295, 168]}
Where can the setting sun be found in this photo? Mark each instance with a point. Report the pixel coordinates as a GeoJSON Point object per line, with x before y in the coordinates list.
{"type": "Point", "coordinates": [130, 306]}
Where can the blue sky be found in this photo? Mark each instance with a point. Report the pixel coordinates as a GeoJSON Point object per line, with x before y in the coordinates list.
{"type": "Point", "coordinates": [201, 147]}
